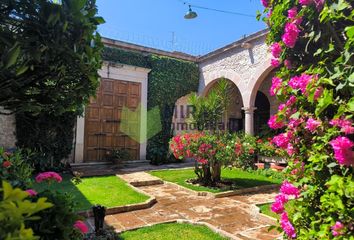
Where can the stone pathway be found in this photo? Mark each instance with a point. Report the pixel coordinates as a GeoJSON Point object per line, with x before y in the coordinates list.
{"type": "Point", "coordinates": [234, 215]}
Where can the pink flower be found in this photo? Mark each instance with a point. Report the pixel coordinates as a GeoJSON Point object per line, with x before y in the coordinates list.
{"type": "Point", "coordinates": [31, 192]}
{"type": "Point", "coordinates": [48, 176]}
{"type": "Point", "coordinates": [287, 64]}
{"type": "Point", "coordinates": [292, 13]}
{"type": "Point", "coordinates": [305, 2]}
{"type": "Point", "coordinates": [291, 101]}
{"type": "Point", "coordinates": [275, 62]}
{"type": "Point", "coordinates": [278, 205]}
{"type": "Point", "coordinates": [202, 161]}
{"type": "Point", "coordinates": [290, 149]}
{"type": "Point", "coordinates": [287, 226]}
{"type": "Point", "coordinates": [273, 123]}
{"type": "Point", "coordinates": [289, 189]}
{"type": "Point", "coordinates": [293, 123]}
{"type": "Point", "coordinates": [265, 3]}
{"type": "Point", "coordinates": [312, 124]}
{"type": "Point", "coordinates": [319, 4]}
{"type": "Point", "coordinates": [300, 82]}
{"type": "Point", "coordinates": [282, 140]}
{"type": "Point", "coordinates": [276, 50]}
{"type": "Point", "coordinates": [276, 84]}
{"type": "Point", "coordinates": [281, 107]}
{"type": "Point", "coordinates": [290, 35]}
{"type": "Point", "coordinates": [337, 228]}
{"type": "Point", "coordinates": [345, 125]}
{"type": "Point", "coordinates": [343, 153]}
{"type": "Point", "coordinates": [81, 226]}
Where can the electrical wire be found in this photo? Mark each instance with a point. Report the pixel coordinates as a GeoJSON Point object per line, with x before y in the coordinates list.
{"type": "Point", "coordinates": [217, 10]}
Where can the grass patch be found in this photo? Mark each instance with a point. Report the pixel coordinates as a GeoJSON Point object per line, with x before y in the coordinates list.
{"type": "Point", "coordinates": [109, 191]}
{"type": "Point", "coordinates": [240, 178]}
{"type": "Point", "coordinates": [180, 231]}
{"type": "Point", "coordinates": [266, 209]}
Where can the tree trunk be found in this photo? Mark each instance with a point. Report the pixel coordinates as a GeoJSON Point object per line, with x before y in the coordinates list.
{"type": "Point", "coordinates": [207, 174]}
{"type": "Point", "coordinates": [216, 172]}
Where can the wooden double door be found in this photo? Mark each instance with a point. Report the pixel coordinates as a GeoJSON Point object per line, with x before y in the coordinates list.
{"type": "Point", "coordinates": [103, 118]}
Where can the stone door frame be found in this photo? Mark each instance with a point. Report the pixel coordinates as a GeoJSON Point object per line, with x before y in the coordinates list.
{"type": "Point", "coordinates": [121, 72]}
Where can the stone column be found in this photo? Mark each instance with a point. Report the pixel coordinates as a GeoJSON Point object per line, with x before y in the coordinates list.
{"type": "Point", "coordinates": [249, 119]}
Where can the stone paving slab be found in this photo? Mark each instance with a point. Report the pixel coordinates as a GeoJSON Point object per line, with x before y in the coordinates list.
{"type": "Point", "coordinates": [138, 179]}
{"type": "Point", "coordinates": [236, 215]}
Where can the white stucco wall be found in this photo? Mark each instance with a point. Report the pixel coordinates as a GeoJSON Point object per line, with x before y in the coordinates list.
{"type": "Point", "coordinates": [7, 130]}
{"type": "Point", "coordinates": [245, 67]}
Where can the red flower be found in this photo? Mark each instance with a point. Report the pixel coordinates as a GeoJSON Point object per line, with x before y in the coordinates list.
{"type": "Point", "coordinates": [251, 151]}
{"type": "Point", "coordinates": [259, 141]}
{"type": "Point", "coordinates": [6, 164]}
{"type": "Point", "coordinates": [81, 226]}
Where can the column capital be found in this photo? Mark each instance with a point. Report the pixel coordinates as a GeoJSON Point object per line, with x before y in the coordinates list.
{"type": "Point", "coordinates": [249, 110]}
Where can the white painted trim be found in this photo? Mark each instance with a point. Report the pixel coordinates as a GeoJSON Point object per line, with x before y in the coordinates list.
{"type": "Point", "coordinates": [121, 72]}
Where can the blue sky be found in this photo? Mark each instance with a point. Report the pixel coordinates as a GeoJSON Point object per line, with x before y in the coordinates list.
{"type": "Point", "coordinates": [153, 22]}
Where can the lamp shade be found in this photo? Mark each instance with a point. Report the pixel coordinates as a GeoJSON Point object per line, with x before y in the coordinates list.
{"type": "Point", "coordinates": [190, 14]}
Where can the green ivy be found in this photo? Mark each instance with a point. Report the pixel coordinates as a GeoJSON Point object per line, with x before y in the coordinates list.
{"type": "Point", "coordinates": [169, 79]}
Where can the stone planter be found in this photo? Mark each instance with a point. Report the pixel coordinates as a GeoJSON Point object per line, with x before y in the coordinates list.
{"type": "Point", "coordinates": [273, 159]}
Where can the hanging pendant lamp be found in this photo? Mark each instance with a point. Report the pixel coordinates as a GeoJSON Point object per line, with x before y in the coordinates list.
{"type": "Point", "coordinates": [190, 14]}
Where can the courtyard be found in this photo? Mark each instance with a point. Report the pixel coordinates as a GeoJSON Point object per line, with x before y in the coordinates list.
{"type": "Point", "coordinates": [237, 126]}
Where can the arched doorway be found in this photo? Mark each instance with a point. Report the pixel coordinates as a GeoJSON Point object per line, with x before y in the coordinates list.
{"type": "Point", "coordinates": [262, 112]}
{"type": "Point", "coordinates": [234, 118]}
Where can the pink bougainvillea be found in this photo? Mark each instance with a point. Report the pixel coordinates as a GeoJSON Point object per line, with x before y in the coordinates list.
{"type": "Point", "coordinates": [292, 13]}
{"type": "Point", "coordinates": [275, 62]}
{"type": "Point", "coordinates": [81, 226]}
{"type": "Point", "coordinates": [300, 82]}
{"type": "Point", "coordinates": [278, 205]}
{"type": "Point", "coordinates": [343, 152]}
{"type": "Point", "coordinates": [287, 226]}
{"type": "Point", "coordinates": [48, 176]}
{"type": "Point", "coordinates": [291, 101]}
{"type": "Point", "coordinates": [276, 85]}
{"type": "Point", "coordinates": [346, 125]}
{"type": "Point", "coordinates": [291, 34]}
{"type": "Point", "coordinates": [276, 50]}
{"type": "Point", "coordinates": [305, 2]}
{"type": "Point", "coordinates": [289, 189]}
{"type": "Point", "coordinates": [265, 3]}
{"type": "Point", "coordinates": [282, 140]}
{"type": "Point", "coordinates": [274, 123]}
{"type": "Point", "coordinates": [287, 64]}
{"type": "Point", "coordinates": [312, 124]}
{"type": "Point", "coordinates": [31, 192]}
{"type": "Point", "coordinates": [337, 229]}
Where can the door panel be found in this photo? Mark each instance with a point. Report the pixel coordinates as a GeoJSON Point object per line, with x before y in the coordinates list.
{"type": "Point", "coordinates": [103, 116]}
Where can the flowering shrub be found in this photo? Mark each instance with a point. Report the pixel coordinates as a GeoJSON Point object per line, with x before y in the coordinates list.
{"type": "Point", "coordinates": [48, 176]}
{"type": "Point", "coordinates": [312, 43]}
{"type": "Point", "coordinates": [180, 145]}
{"type": "Point", "coordinates": [14, 167]}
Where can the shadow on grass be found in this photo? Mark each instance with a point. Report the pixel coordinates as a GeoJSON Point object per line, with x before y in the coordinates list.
{"type": "Point", "coordinates": [247, 183]}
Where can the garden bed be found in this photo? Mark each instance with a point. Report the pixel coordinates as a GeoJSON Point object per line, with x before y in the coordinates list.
{"type": "Point", "coordinates": [236, 179]}
{"type": "Point", "coordinates": [109, 191]}
{"type": "Point", "coordinates": [180, 231]}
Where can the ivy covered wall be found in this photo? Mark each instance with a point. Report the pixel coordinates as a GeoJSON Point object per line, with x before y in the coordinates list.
{"type": "Point", "coordinates": [169, 79]}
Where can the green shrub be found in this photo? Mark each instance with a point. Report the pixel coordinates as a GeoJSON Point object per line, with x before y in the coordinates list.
{"type": "Point", "coordinates": [17, 212]}
{"type": "Point", "coordinates": [15, 167]}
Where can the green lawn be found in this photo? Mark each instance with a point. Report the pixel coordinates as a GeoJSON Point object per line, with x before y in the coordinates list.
{"type": "Point", "coordinates": [109, 191]}
{"type": "Point", "coordinates": [168, 231]}
{"type": "Point", "coordinates": [266, 209]}
{"type": "Point", "coordinates": [240, 178]}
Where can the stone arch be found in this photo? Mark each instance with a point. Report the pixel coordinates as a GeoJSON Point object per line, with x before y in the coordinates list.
{"type": "Point", "coordinates": [234, 118]}
{"type": "Point", "coordinates": [208, 79]}
{"type": "Point", "coordinates": [261, 74]}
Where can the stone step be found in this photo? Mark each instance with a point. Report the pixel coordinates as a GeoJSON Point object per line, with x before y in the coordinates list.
{"type": "Point", "coordinates": [140, 179]}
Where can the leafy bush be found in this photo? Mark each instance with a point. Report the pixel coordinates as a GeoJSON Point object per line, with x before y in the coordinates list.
{"type": "Point", "coordinates": [214, 150]}
{"type": "Point", "coordinates": [17, 211]}
{"type": "Point", "coordinates": [15, 168]}
{"type": "Point", "coordinates": [312, 43]}
{"type": "Point", "coordinates": [118, 155]}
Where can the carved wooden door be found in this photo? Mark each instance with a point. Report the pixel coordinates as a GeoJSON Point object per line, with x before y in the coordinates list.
{"type": "Point", "coordinates": [103, 117]}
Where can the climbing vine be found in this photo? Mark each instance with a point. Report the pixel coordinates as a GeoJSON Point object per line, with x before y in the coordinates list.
{"type": "Point", "coordinates": [169, 79]}
{"type": "Point", "coordinates": [312, 43]}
